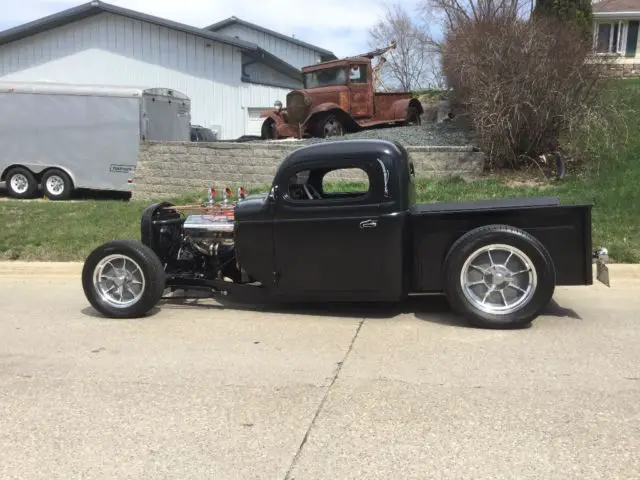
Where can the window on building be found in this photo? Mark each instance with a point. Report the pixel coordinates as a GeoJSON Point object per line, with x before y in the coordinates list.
{"type": "Point", "coordinates": [616, 38]}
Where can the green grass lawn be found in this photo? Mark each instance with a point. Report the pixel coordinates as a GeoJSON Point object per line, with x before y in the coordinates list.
{"type": "Point", "coordinates": [59, 231]}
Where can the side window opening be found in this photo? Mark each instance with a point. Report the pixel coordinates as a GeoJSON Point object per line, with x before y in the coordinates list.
{"type": "Point", "coordinates": [348, 183]}
{"type": "Point", "coordinates": [358, 74]}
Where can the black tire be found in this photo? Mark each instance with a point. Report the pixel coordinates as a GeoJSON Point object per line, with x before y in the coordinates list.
{"type": "Point", "coordinates": [21, 175]}
{"type": "Point", "coordinates": [62, 187]}
{"type": "Point", "coordinates": [268, 131]}
{"type": "Point", "coordinates": [325, 122]}
{"type": "Point", "coordinates": [152, 271]}
{"type": "Point", "coordinates": [537, 254]}
{"type": "Point", "coordinates": [413, 117]}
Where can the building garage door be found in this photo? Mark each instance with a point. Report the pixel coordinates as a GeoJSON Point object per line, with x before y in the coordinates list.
{"type": "Point", "coordinates": [254, 122]}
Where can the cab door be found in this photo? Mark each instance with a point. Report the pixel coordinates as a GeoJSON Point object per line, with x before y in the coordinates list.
{"type": "Point", "coordinates": [332, 246]}
{"type": "Point", "coordinates": [361, 91]}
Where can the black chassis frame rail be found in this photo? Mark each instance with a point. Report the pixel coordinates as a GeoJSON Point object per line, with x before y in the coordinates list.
{"type": "Point", "coordinates": [246, 292]}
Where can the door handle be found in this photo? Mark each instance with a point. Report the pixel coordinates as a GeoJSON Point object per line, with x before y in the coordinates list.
{"type": "Point", "coordinates": [368, 224]}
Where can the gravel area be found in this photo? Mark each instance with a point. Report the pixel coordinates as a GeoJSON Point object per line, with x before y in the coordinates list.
{"type": "Point", "coordinates": [427, 134]}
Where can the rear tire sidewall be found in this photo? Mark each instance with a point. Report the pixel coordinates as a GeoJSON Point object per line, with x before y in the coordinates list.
{"type": "Point", "coordinates": [152, 271]}
{"type": "Point", "coordinates": [519, 239]}
{"type": "Point", "coordinates": [32, 188]}
{"type": "Point", "coordinates": [68, 186]}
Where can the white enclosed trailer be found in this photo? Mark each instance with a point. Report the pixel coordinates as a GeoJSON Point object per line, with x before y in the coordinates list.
{"type": "Point", "coordinates": [63, 137]}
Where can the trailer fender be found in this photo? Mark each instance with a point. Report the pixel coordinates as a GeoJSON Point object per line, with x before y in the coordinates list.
{"type": "Point", "coordinates": [37, 170]}
{"type": "Point", "coordinates": [401, 107]}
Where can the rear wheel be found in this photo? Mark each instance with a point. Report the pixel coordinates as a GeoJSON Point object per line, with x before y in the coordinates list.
{"type": "Point", "coordinates": [413, 117]}
{"type": "Point", "coordinates": [57, 185]}
{"type": "Point", "coordinates": [123, 279]}
{"type": "Point", "coordinates": [499, 277]}
{"type": "Point", "coordinates": [328, 125]}
{"type": "Point", "coordinates": [21, 183]}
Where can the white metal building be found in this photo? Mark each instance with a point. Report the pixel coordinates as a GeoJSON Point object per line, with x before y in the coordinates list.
{"type": "Point", "coordinates": [228, 79]}
{"type": "Point", "coordinates": [291, 50]}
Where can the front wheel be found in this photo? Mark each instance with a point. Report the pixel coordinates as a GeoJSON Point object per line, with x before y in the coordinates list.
{"type": "Point", "coordinates": [268, 130]}
{"type": "Point", "coordinates": [123, 279]}
{"type": "Point", "coordinates": [499, 276]}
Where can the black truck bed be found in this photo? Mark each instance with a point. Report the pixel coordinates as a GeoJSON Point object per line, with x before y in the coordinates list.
{"type": "Point", "coordinates": [565, 230]}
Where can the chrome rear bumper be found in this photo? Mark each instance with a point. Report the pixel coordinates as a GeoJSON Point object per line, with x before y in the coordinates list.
{"type": "Point", "coordinates": [600, 257]}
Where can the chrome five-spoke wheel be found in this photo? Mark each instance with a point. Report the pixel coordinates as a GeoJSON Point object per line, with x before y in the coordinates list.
{"type": "Point", "coordinates": [498, 279]}
{"type": "Point", "coordinates": [119, 280]}
{"type": "Point", "coordinates": [123, 279]}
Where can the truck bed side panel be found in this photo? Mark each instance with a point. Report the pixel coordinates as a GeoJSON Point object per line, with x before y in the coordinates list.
{"type": "Point", "coordinates": [564, 230]}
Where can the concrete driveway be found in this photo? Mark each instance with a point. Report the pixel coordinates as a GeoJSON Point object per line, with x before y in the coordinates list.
{"type": "Point", "coordinates": [199, 391]}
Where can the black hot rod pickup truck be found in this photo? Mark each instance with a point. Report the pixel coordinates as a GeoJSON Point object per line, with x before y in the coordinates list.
{"type": "Point", "coordinates": [497, 261]}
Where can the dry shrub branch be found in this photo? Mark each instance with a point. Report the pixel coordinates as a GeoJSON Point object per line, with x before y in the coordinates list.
{"type": "Point", "coordinates": [526, 83]}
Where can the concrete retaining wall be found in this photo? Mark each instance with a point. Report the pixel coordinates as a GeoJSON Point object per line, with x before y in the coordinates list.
{"type": "Point", "coordinates": [169, 169]}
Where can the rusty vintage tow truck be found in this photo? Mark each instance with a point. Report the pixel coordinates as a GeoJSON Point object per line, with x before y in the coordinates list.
{"type": "Point", "coordinates": [339, 96]}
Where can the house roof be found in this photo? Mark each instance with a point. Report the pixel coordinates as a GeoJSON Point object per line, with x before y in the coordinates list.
{"type": "Point", "coordinates": [95, 7]}
{"type": "Point", "coordinates": [616, 7]}
{"type": "Point", "coordinates": [237, 21]}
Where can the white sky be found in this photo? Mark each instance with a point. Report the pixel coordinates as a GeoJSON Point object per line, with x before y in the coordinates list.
{"type": "Point", "coordinates": [336, 25]}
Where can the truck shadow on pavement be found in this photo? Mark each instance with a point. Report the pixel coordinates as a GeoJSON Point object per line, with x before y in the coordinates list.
{"type": "Point", "coordinates": [431, 309]}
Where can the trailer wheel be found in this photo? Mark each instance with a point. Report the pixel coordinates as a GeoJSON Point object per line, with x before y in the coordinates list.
{"type": "Point", "coordinates": [123, 279]}
{"type": "Point", "coordinates": [499, 276]}
{"type": "Point", "coordinates": [21, 183]}
{"type": "Point", "coordinates": [57, 185]}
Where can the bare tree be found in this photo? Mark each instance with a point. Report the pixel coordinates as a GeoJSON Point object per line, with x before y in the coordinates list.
{"type": "Point", "coordinates": [455, 13]}
{"type": "Point", "coordinates": [413, 64]}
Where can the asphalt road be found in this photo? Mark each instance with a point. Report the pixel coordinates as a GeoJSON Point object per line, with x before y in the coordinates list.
{"type": "Point", "coordinates": [200, 391]}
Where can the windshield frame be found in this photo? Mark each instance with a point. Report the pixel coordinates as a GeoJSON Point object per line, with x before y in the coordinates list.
{"type": "Point", "coordinates": [307, 76]}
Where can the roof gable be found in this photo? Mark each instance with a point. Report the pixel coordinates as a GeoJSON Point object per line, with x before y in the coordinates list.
{"type": "Point", "coordinates": [616, 6]}
{"type": "Point", "coordinates": [95, 7]}
{"type": "Point", "coordinates": [237, 21]}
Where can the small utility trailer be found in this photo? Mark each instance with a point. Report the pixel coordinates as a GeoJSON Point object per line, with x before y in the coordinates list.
{"type": "Point", "coordinates": [65, 137]}
{"type": "Point", "coordinates": [497, 261]}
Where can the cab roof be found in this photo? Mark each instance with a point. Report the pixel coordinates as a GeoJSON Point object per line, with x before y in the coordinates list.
{"type": "Point", "coordinates": [343, 62]}
{"type": "Point", "coordinates": [393, 154]}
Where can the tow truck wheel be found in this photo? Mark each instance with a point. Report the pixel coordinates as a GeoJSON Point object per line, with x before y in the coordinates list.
{"type": "Point", "coordinates": [123, 279]}
{"type": "Point", "coordinates": [268, 129]}
{"type": "Point", "coordinates": [413, 117]}
{"type": "Point", "coordinates": [328, 125]}
{"type": "Point", "coordinates": [499, 276]}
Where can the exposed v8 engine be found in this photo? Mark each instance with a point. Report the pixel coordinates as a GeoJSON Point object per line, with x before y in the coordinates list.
{"type": "Point", "coordinates": [202, 246]}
